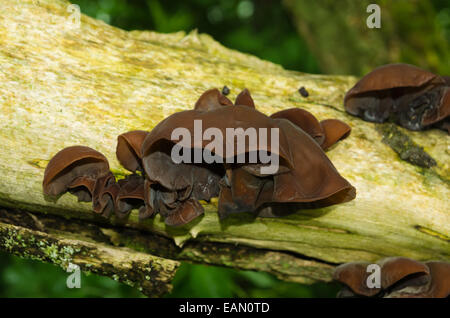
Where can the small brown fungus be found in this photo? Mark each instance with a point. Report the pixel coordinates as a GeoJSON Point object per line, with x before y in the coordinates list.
{"type": "Point", "coordinates": [334, 130]}
{"type": "Point", "coordinates": [412, 97]}
{"type": "Point", "coordinates": [354, 276]}
{"type": "Point", "coordinates": [326, 133]}
{"type": "Point", "coordinates": [400, 277]}
{"type": "Point", "coordinates": [85, 173]}
{"type": "Point", "coordinates": [212, 99]}
{"type": "Point", "coordinates": [305, 120]}
{"type": "Point", "coordinates": [128, 149]}
{"type": "Point", "coordinates": [394, 269]}
{"type": "Point", "coordinates": [74, 167]}
{"type": "Point", "coordinates": [130, 195]}
{"type": "Point", "coordinates": [174, 188]}
{"type": "Point", "coordinates": [439, 286]}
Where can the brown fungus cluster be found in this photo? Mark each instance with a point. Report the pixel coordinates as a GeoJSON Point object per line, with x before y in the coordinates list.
{"type": "Point", "coordinates": [405, 94]}
{"type": "Point", "coordinates": [400, 277]}
{"type": "Point", "coordinates": [305, 176]}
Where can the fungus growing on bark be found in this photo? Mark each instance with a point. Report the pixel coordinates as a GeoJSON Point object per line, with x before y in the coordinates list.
{"type": "Point", "coordinates": [305, 174]}
{"type": "Point", "coordinates": [212, 99]}
{"type": "Point", "coordinates": [326, 132]}
{"type": "Point", "coordinates": [83, 172]}
{"type": "Point", "coordinates": [334, 130]}
{"type": "Point", "coordinates": [130, 195]}
{"type": "Point", "coordinates": [399, 277]}
{"type": "Point", "coordinates": [128, 149]}
{"type": "Point", "coordinates": [412, 97]}
{"type": "Point", "coordinates": [216, 156]}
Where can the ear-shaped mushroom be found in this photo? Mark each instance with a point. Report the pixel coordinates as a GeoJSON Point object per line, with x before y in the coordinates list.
{"type": "Point", "coordinates": [148, 209]}
{"type": "Point", "coordinates": [74, 167]}
{"type": "Point", "coordinates": [305, 174]}
{"type": "Point", "coordinates": [212, 99]}
{"type": "Point", "coordinates": [403, 93]}
{"type": "Point", "coordinates": [394, 269]}
{"type": "Point", "coordinates": [84, 172]}
{"type": "Point", "coordinates": [222, 118]}
{"type": "Point", "coordinates": [354, 276]}
{"type": "Point", "coordinates": [437, 114]}
{"type": "Point", "coordinates": [305, 120]}
{"type": "Point", "coordinates": [185, 213]}
{"type": "Point", "coordinates": [128, 149]}
{"type": "Point", "coordinates": [243, 193]}
{"type": "Point", "coordinates": [245, 99]}
{"type": "Point", "coordinates": [131, 195]}
{"type": "Point", "coordinates": [440, 279]}
{"type": "Point", "coordinates": [314, 179]}
{"type": "Point", "coordinates": [104, 195]}
{"type": "Point", "coordinates": [182, 182]}
{"type": "Point", "coordinates": [400, 278]}
{"type": "Point", "coordinates": [82, 187]}
{"type": "Point", "coordinates": [334, 130]}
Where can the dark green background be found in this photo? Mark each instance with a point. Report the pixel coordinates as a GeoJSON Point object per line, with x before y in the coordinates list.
{"type": "Point", "coordinates": [268, 29]}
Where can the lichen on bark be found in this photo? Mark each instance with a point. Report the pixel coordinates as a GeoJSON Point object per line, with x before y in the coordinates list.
{"type": "Point", "coordinates": [61, 87]}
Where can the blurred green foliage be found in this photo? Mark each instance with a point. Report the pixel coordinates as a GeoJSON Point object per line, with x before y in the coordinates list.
{"type": "Point", "coordinates": [262, 28]}
{"type": "Point", "coordinates": [27, 278]}
{"type": "Point", "coordinates": [412, 31]}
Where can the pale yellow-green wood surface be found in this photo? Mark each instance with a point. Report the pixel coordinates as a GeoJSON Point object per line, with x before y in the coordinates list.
{"type": "Point", "coordinates": [63, 86]}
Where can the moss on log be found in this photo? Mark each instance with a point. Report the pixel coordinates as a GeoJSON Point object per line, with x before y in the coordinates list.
{"type": "Point", "coordinates": [61, 86]}
{"type": "Point", "coordinates": [341, 27]}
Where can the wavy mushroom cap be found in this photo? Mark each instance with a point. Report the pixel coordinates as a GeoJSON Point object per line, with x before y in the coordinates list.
{"type": "Point", "coordinates": [406, 94]}
{"type": "Point", "coordinates": [226, 117]}
{"type": "Point", "coordinates": [354, 276]}
{"type": "Point", "coordinates": [312, 180]}
{"type": "Point", "coordinates": [313, 177]}
{"type": "Point", "coordinates": [305, 120]}
{"type": "Point", "coordinates": [128, 149]}
{"type": "Point", "coordinates": [104, 195]}
{"type": "Point", "coordinates": [440, 279]}
{"type": "Point", "coordinates": [212, 99]}
{"type": "Point", "coordinates": [201, 180]}
{"type": "Point", "coordinates": [244, 99]}
{"type": "Point", "coordinates": [400, 278]}
{"type": "Point", "coordinates": [439, 113]}
{"type": "Point", "coordinates": [184, 213]}
{"type": "Point", "coordinates": [82, 187]}
{"type": "Point", "coordinates": [392, 76]}
{"type": "Point", "coordinates": [394, 269]}
{"type": "Point", "coordinates": [131, 194]}
{"type": "Point", "coordinates": [334, 130]}
{"type": "Point", "coordinates": [73, 166]}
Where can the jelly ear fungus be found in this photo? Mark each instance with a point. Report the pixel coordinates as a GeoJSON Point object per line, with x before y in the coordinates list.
{"type": "Point", "coordinates": [158, 184]}
{"type": "Point", "coordinates": [400, 278]}
{"type": "Point", "coordinates": [412, 97]}
{"type": "Point", "coordinates": [85, 173]}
